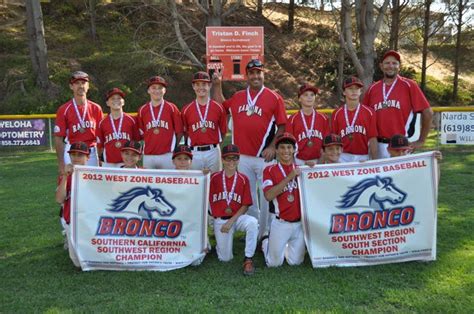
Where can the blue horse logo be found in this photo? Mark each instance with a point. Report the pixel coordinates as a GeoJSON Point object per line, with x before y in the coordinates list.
{"type": "Point", "coordinates": [372, 193]}
{"type": "Point", "coordinates": [144, 201]}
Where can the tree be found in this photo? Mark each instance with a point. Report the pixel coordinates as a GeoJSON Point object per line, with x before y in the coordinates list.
{"type": "Point", "coordinates": [291, 16]}
{"type": "Point", "coordinates": [368, 26]}
{"type": "Point", "coordinates": [395, 21]}
{"type": "Point", "coordinates": [459, 11]}
{"type": "Point", "coordinates": [215, 10]}
{"type": "Point", "coordinates": [426, 37]}
{"type": "Point", "coordinates": [91, 8]}
{"type": "Point", "coordinates": [37, 43]}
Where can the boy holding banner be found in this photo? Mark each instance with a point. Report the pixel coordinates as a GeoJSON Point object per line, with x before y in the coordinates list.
{"type": "Point", "coordinates": [131, 154]}
{"type": "Point", "coordinates": [281, 187]}
{"type": "Point", "coordinates": [229, 199]}
{"type": "Point", "coordinates": [115, 129]}
{"type": "Point", "coordinates": [332, 149]}
{"type": "Point", "coordinates": [308, 126]}
{"type": "Point", "coordinates": [79, 154]}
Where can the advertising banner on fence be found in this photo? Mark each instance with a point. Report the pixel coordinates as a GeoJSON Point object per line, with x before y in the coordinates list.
{"type": "Point", "coordinates": [457, 128]}
{"type": "Point", "coordinates": [27, 132]}
{"type": "Point", "coordinates": [230, 48]}
{"type": "Point", "coordinates": [127, 219]}
{"type": "Point", "coordinates": [376, 212]}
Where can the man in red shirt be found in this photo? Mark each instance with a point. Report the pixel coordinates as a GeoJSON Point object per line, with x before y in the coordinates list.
{"type": "Point", "coordinates": [229, 199]}
{"type": "Point", "coordinates": [356, 124]}
{"type": "Point", "coordinates": [286, 238]}
{"type": "Point", "coordinates": [205, 125]}
{"type": "Point", "coordinates": [160, 126]}
{"type": "Point", "coordinates": [395, 100]}
{"type": "Point", "coordinates": [77, 121]}
{"type": "Point", "coordinates": [258, 116]}
{"type": "Point", "coordinates": [308, 127]}
{"type": "Point", "coordinates": [115, 129]}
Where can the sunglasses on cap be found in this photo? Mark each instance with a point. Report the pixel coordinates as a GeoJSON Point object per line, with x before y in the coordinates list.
{"type": "Point", "coordinates": [254, 64]}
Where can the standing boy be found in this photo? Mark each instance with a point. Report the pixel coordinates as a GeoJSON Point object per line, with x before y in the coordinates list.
{"type": "Point", "coordinates": [281, 187]}
{"type": "Point", "coordinates": [160, 125]}
{"type": "Point", "coordinates": [229, 199]}
{"type": "Point", "coordinates": [356, 124]}
{"type": "Point", "coordinates": [308, 127]}
{"type": "Point", "coordinates": [115, 129]}
{"type": "Point", "coordinates": [205, 125]}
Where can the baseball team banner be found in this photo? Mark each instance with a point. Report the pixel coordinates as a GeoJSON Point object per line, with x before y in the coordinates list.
{"type": "Point", "coordinates": [376, 212]}
{"type": "Point", "coordinates": [127, 219]}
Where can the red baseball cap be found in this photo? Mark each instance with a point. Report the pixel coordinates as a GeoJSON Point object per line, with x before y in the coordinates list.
{"type": "Point", "coordinates": [230, 150]}
{"type": "Point", "coordinates": [133, 146]}
{"type": "Point", "coordinates": [399, 142]}
{"type": "Point", "coordinates": [332, 139]}
{"type": "Point", "coordinates": [79, 76]}
{"type": "Point", "coordinates": [392, 53]}
{"type": "Point", "coordinates": [254, 64]}
{"type": "Point", "coordinates": [182, 149]}
{"type": "Point", "coordinates": [79, 147]}
{"type": "Point", "coordinates": [157, 80]}
{"type": "Point", "coordinates": [114, 91]}
{"type": "Point", "coordinates": [352, 81]}
{"type": "Point", "coordinates": [285, 137]}
{"type": "Point", "coordinates": [201, 76]}
{"type": "Point", "coordinates": [307, 87]}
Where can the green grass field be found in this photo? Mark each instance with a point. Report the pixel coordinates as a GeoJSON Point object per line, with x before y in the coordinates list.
{"type": "Point", "coordinates": [37, 275]}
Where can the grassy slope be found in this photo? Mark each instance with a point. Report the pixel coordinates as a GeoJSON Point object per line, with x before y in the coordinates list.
{"type": "Point", "coordinates": [38, 276]}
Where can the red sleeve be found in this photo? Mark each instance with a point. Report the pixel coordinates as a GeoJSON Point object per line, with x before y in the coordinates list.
{"type": "Point", "coordinates": [280, 115]}
{"type": "Point", "coordinates": [372, 131]}
{"type": "Point", "coordinates": [140, 125]}
{"type": "Point", "coordinates": [135, 131]}
{"type": "Point", "coordinates": [326, 129]}
{"type": "Point", "coordinates": [334, 126]}
{"type": "Point", "coordinates": [418, 99]}
{"type": "Point", "coordinates": [289, 125]}
{"type": "Point", "coordinates": [267, 179]}
{"type": "Point", "coordinates": [227, 104]}
{"type": "Point", "coordinates": [247, 196]}
{"type": "Point", "coordinates": [223, 124]}
{"type": "Point", "coordinates": [183, 118]}
{"type": "Point", "coordinates": [366, 99]}
{"type": "Point", "coordinates": [177, 122]}
{"type": "Point", "coordinates": [100, 113]}
{"type": "Point", "coordinates": [60, 123]}
{"type": "Point", "coordinates": [100, 135]}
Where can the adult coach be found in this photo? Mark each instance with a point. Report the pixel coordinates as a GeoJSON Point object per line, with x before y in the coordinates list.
{"type": "Point", "coordinates": [395, 100]}
{"type": "Point", "coordinates": [160, 125]}
{"type": "Point", "coordinates": [205, 125]}
{"type": "Point", "coordinates": [77, 121]}
{"type": "Point", "coordinates": [258, 114]}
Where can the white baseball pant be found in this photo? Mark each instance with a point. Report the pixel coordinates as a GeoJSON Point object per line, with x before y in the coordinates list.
{"type": "Point", "coordinates": [210, 159]}
{"type": "Point", "coordinates": [253, 167]}
{"type": "Point", "coordinates": [346, 157]}
{"type": "Point", "coordinates": [92, 161]}
{"type": "Point", "coordinates": [285, 240]}
{"type": "Point", "coordinates": [383, 151]}
{"type": "Point", "coordinates": [224, 241]}
{"type": "Point", "coordinates": [163, 161]}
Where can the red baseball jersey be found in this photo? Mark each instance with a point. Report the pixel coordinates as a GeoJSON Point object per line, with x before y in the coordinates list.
{"type": "Point", "coordinates": [296, 127]}
{"type": "Point", "coordinates": [107, 140]}
{"type": "Point", "coordinates": [286, 210]}
{"type": "Point", "coordinates": [253, 133]}
{"type": "Point", "coordinates": [406, 98]}
{"type": "Point", "coordinates": [169, 125]}
{"type": "Point", "coordinates": [365, 128]}
{"type": "Point", "coordinates": [68, 124]}
{"type": "Point", "coordinates": [217, 196]}
{"type": "Point", "coordinates": [215, 125]}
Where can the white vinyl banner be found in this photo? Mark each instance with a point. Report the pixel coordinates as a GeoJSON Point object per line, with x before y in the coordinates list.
{"type": "Point", "coordinates": [137, 219]}
{"type": "Point", "coordinates": [375, 212]}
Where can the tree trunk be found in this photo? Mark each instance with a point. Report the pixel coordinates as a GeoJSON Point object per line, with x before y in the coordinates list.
{"type": "Point", "coordinates": [460, 11]}
{"type": "Point", "coordinates": [340, 64]}
{"type": "Point", "coordinates": [92, 15]}
{"type": "Point", "coordinates": [37, 43]}
{"type": "Point", "coordinates": [395, 25]}
{"type": "Point", "coordinates": [291, 16]}
{"type": "Point", "coordinates": [215, 13]}
{"type": "Point", "coordinates": [426, 37]}
{"type": "Point", "coordinates": [260, 7]}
